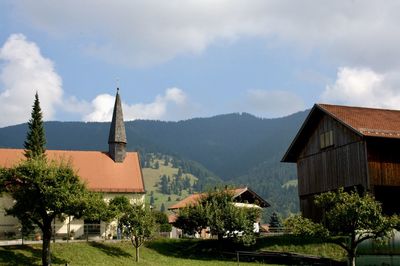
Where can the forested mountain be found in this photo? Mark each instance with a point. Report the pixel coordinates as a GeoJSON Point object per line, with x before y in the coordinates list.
{"type": "Point", "coordinates": [238, 148]}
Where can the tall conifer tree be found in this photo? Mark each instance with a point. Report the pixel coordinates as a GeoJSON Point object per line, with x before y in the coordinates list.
{"type": "Point", "coordinates": [35, 140]}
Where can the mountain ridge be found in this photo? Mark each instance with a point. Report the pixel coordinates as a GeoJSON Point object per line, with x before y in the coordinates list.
{"type": "Point", "coordinates": [240, 148]}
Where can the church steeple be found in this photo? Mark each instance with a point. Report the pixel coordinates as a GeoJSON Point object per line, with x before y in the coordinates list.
{"type": "Point", "coordinates": [117, 136]}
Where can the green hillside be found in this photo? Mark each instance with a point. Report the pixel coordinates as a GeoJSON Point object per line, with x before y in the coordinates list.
{"type": "Point", "coordinates": [152, 178]}
{"type": "Point", "coordinates": [238, 149]}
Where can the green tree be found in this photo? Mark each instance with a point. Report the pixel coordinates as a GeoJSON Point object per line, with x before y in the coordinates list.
{"type": "Point", "coordinates": [164, 185]}
{"type": "Point", "coordinates": [138, 224]}
{"type": "Point", "coordinates": [162, 208]}
{"type": "Point", "coordinates": [152, 200]}
{"type": "Point", "coordinates": [118, 205]}
{"type": "Point", "coordinates": [35, 140]}
{"type": "Point", "coordinates": [349, 219]}
{"type": "Point", "coordinates": [274, 221]}
{"type": "Point", "coordinates": [352, 219]}
{"type": "Point", "coordinates": [217, 211]}
{"type": "Point", "coordinates": [44, 191]}
{"type": "Point", "coordinates": [161, 220]}
{"type": "Point", "coordinates": [192, 219]}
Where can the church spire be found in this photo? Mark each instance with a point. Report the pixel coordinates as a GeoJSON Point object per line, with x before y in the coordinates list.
{"type": "Point", "coordinates": [117, 136]}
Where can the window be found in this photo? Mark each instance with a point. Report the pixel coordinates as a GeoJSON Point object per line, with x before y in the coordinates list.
{"type": "Point", "coordinates": [326, 139]}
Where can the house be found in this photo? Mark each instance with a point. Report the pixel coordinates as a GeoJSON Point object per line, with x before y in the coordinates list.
{"type": "Point", "coordinates": [349, 147]}
{"type": "Point", "coordinates": [113, 173]}
{"type": "Point", "coordinates": [242, 197]}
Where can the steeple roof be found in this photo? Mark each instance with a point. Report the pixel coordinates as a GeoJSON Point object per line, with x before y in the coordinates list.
{"type": "Point", "coordinates": [117, 128]}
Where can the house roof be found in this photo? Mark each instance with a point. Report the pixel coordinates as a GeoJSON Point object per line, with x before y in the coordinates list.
{"type": "Point", "coordinates": [193, 199]}
{"type": "Point", "coordinates": [96, 168]}
{"type": "Point", "coordinates": [365, 122]}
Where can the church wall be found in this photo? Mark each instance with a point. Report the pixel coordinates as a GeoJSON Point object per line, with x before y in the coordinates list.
{"type": "Point", "coordinates": [11, 224]}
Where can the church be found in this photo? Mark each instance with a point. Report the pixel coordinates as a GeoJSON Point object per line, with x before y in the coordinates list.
{"type": "Point", "coordinates": [113, 173]}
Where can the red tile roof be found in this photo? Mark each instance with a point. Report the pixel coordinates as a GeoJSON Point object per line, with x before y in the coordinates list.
{"type": "Point", "coordinates": [367, 121]}
{"type": "Point", "coordinates": [195, 198]}
{"type": "Point", "coordinates": [96, 168]}
{"type": "Point", "coordinates": [190, 200]}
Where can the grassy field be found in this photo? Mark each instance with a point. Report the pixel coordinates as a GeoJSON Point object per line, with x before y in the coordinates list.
{"type": "Point", "coordinates": [158, 252]}
{"type": "Point", "coordinates": [152, 178]}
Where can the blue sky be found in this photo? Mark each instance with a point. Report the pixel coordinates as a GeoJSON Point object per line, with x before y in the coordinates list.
{"type": "Point", "coordinates": [181, 59]}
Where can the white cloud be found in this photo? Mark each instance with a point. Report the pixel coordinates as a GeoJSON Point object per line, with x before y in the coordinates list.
{"type": "Point", "coordinates": [102, 107]}
{"type": "Point", "coordinates": [364, 87]}
{"type": "Point", "coordinates": [272, 103]}
{"type": "Point", "coordinates": [24, 71]}
{"type": "Point", "coordinates": [150, 32]}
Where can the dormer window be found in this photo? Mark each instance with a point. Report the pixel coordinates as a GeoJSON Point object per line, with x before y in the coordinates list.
{"type": "Point", "coordinates": [326, 139]}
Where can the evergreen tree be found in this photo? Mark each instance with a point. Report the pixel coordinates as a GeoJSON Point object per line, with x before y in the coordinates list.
{"type": "Point", "coordinates": [179, 174]}
{"type": "Point", "coordinates": [164, 185]}
{"type": "Point", "coordinates": [35, 140]}
{"type": "Point", "coordinates": [162, 208]}
{"type": "Point", "coordinates": [186, 182]}
{"type": "Point", "coordinates": [274, 221]}
{"type": "Point", "coordinates": [151, 200]}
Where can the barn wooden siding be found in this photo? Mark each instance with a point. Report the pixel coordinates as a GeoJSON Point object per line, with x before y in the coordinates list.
{"type": "Point", "coordinates": [343, 164]}
{"type": "Point", "coordinates": [384, 162]}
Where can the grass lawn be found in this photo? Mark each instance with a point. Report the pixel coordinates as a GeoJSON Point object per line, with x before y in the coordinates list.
{"type": "Point", "coordinates": [106, 253]}
{"type": "Point", "coordinates": [158, 252]}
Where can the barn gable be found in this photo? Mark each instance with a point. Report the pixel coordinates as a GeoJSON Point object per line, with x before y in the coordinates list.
{"type": "Point", "coordinates": [343, 146]}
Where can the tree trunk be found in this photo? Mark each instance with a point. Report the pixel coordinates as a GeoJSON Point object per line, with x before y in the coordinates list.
{"type": "Point", "coordinates": [46, 243]}
{"type": "Point", "coordinates": [137, 254]}
{"type": "Point", "coordinates": [351, 255]}
{"type": "Point", "coordinates": [352, 260]}
{"type": "Point", "coordinates": [136, 244]}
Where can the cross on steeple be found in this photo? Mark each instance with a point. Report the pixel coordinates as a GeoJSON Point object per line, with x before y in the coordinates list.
{"type": "Point", "coordinates": [117, 137]}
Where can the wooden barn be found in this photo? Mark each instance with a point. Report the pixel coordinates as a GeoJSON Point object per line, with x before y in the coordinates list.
{"type": "Point", "coordinates": [343, 146]}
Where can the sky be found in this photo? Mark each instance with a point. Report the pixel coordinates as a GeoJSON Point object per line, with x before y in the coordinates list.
{"type": "Point", "coordinates": [175, 60]}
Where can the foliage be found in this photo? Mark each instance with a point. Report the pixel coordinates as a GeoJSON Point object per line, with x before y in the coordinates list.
{"type": "Point", "coordinates": [352, 219]}
{"type": "Point", "coordinates": [43, 191]}
{"type": "Point", "coordinates": [118, 205]}
{"type": "Point", "coordinates": [192, 219]}
{"type": "Point", "coordinates": [217, 211]}
{"type": "Point", "coordinates": [162, 208]}
{"type": "Point", "coordinates": [298, 225]}
{"type": "Point", "coordinates": [274, 221]}
{"type": "Point", "coordinates": [349, 219]}
{"type": "Point", "coordinates": [95, 208]}
{"type": "Point", "coordinates": [138, 224]}
{"type": "Point", "coordinates": [35, 140]}
{"type": "Point", "coordinates": [161, 220]}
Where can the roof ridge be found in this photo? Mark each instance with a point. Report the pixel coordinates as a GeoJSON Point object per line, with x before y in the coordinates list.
{"type": "Point", "coordinates": [357, 107]}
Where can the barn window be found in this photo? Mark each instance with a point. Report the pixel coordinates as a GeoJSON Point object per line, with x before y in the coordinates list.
{"type": "Point", "coordinates": [326, 139]}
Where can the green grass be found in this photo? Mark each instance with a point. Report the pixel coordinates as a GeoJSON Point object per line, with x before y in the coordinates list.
{"type": "Point", "coordinates": [152, 178]}
{"type": "Point", "coordinates": [107, 253]}
{"type": "Point", "coordinates": [295, 244]}
{"type": "Point", "coordinates": [160, 252]}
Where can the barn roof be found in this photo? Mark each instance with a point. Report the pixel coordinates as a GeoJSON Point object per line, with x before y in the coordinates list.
{"type": "Point", "coordinates": [193, 199]}
{"type": "Point", "coordinates": [366, 122]}
{"type": "Point", "coordinates": [96, 168]}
